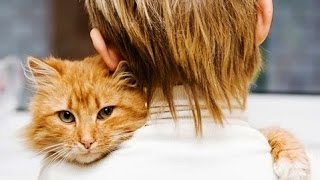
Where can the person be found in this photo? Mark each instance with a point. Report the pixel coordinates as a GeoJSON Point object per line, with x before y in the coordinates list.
{"type": "Point", "coordinates": [208, 46]}
{"type": "Point", "coordinates": [196, 60]}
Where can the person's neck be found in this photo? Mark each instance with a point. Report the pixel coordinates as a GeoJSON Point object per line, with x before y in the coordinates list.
{"type": "Point", "coordinates": [160, 108]}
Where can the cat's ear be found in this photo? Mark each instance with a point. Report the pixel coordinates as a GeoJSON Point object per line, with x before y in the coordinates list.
{"type": "Point", "coordinates": [124, 76]}
{"type": "Point", "coordinates": [40, 71]}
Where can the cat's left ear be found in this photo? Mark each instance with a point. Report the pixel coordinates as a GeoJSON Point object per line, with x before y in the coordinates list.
{"type": "Point", "coordinates": [123, 75]}
{"type": "Point", "coordinates": [41, 72]}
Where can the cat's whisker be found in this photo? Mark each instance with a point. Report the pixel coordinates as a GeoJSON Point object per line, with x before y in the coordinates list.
{"type": "Point", "coordinates": [49, 148]}
{"type": "Point", "coordinates": [64, 157]}
{"type": "Point", "coordinates": [111, 148]}
{"type": "Point", "coordinates": [119, 137]}
{"type": "Point", "coordinates": [107, 148]}
{"type": "Point", "coordinates": [56, 156]}
{"type": "Point", "coordinates": [47, 164]}
{"type": "Point", "coordinates": [67, 156]}
{"type": "Point", "coordinates": [116, 139]}
{"type": "Point", "coordinates": [131, 125]}
{"type": "Point", "coordinates": [48, 151]}
{"type": "Point", "coordinates": [48, 158]}
{"type": "Point", "coordinates": [123, 135]}
{"type": "Point", "coordinates": [53, 155]}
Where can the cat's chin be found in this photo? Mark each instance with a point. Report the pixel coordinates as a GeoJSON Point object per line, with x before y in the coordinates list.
{"type": "Point", "coordinates": [87, 158]}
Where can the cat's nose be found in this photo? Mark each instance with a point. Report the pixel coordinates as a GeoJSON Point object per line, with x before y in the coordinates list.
{"type": "Point", "coordinates": [87, 143]}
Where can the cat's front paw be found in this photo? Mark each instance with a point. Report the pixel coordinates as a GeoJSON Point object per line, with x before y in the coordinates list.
{"type": "Point", "coordinates": [290, 158]}
{"type": "Point", "coordinates": [287, 169]}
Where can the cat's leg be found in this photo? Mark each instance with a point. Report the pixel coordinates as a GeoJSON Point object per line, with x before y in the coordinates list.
{"type": "Point", "coordinates": [290, 159]}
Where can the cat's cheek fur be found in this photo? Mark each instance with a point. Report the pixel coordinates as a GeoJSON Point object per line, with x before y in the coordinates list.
{"type": "Point", "coordinates": [41, 134]}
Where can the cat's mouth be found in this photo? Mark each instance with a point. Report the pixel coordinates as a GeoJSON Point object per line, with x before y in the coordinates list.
{"type": "Point", "coordinates": [86, 153]}
{"type": "Point", "coordinates": [87, 157]}
{"type": "Point", "coordinates": [82, 155]}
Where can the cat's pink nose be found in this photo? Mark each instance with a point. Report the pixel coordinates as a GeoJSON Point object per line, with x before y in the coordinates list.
{"type": "Point", "coordinates": [87, 142]}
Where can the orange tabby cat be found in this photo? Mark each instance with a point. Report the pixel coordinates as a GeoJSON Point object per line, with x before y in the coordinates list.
{"type": "Point", "coordinates": [81, 112]}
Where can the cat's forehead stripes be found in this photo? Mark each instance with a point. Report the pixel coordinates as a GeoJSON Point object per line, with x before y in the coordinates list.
{"type": "Point", "coordinates": [82, 102]}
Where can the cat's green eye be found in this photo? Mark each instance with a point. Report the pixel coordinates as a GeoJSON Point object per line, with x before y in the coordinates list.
{"type": "Point", "coordinates": [105, 112]}
{"type": "Point", "coordinates": [66, 116]}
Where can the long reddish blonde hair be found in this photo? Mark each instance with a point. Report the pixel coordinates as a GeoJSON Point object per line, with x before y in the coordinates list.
{"type": "Point", "coordinates": [206, 45]}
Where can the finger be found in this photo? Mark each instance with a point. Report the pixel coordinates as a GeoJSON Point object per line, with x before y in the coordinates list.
{"type": "Point", "coordinates": [109, 55]}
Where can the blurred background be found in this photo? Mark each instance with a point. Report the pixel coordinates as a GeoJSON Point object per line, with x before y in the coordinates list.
{"type": "Point", "coordinates": [60, 27]}
{"type": "Point", "coordinates": [292, 51]}
{"type": "Point", "coordinates": [39, 28]}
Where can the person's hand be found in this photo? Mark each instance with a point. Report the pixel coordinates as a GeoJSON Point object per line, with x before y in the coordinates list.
{"type": "Point", "coordinates": [111, 56]}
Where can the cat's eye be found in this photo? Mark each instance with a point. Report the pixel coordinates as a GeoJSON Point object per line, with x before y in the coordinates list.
{"type": "Point", "coordinates": [66, 116]}
{"type": "Point", "coordinates": [105, 112]}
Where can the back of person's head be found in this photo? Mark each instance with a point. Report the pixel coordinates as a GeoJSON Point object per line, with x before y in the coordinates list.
{"type": "Point", "coordinates": [208, 46]}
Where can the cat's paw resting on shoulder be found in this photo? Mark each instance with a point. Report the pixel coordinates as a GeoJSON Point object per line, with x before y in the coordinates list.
{"type": "Point", "coordinates": [80, 110]}
{"type": "Point", "coordinates": [290, 159]}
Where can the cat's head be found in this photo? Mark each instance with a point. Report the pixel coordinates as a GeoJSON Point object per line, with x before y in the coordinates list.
{"type": "Point", "coordinates": [81, 111]}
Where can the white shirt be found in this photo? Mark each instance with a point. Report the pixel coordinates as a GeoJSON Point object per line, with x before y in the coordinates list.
{"type": "Point", "coordinates": [167, 150]}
